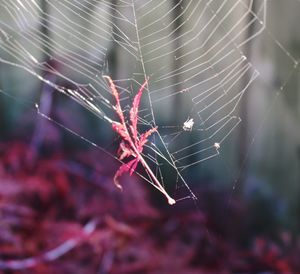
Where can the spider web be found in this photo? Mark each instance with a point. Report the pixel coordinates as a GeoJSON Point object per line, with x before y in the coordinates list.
{"type": "Point", "coordinates": [195, 53]}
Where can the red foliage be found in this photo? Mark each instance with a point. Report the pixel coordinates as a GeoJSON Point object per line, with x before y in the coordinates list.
{"type": "Point", "coordinates": [63, 216]}
{"type": "Point", "coordinates": [132, 145]}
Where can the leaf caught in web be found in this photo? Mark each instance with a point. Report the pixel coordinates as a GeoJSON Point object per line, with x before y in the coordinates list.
{"type": "Point", "coordinates": [132, 144]}
{"type": "Point", "coordinates": [134, 111]}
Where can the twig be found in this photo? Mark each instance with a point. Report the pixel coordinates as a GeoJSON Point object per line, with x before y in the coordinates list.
{"type": "Point", "coordinates": [52, 254]}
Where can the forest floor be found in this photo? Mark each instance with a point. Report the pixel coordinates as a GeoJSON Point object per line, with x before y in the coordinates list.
{"type": "Point", "coordinates": [60, 212]}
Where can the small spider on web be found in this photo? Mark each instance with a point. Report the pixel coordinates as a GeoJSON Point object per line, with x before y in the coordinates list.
{"type": "Point", "coordinates": [133, 142]}
{"type": "Point", "coordinates": [188, 125]}
{"type": "Point", "coordinates": [217, 146]}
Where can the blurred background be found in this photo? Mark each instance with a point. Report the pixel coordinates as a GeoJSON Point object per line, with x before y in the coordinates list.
{"type": "Point", "coordinates": [183, 46]}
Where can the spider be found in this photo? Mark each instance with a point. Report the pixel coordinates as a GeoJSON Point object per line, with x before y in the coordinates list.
{"type": "Point", "coordinates": [188, 124]}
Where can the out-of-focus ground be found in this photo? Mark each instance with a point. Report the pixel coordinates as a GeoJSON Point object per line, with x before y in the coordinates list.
{"type": "Point", "coordinates": [61, 213]}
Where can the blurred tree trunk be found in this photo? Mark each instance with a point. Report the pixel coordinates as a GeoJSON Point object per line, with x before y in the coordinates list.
{"type": "Point", "coordinates": [243, 109]}
{"type": "Point", "coordinates": [179, 117]}
{"type": "Point", "coordinates": [176, 16]}
{"type": "Point", "coordinates": [112, 54]}
{"type": "Point", "coordinates": [2, 110]}
{"type": "Point", "coordinates": [46, 98]}
{"type": "Point", "coordinates": [119, 62]}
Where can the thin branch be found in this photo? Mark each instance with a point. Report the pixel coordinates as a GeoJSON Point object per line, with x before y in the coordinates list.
{"type": "Point", "coordinates": [52, 254]}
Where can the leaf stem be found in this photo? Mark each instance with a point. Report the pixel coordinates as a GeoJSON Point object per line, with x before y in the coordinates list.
{"type": "Point", "coordinates": [171, 201]}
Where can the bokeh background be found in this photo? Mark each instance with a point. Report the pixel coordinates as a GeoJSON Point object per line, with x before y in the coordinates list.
{"type": "Point", "coordinates": [259, 163]}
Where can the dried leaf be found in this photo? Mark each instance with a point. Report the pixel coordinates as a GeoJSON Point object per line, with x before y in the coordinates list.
{"type": "Point", "coordinates": [131, 145]}
{"type": "Point", "coordinates": [126, 167]}
{"type": "Point", "coordinates": [119, 128]}
{"type": "Point", "coordinates": [146, 135]}
{"type": "Point", "coordinates": [116, 95]}
{"type": "Point", "coordinates": [134, 111]}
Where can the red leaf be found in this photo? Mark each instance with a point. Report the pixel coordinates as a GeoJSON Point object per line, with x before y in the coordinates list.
{"type": "Point", "coordinates": [126, 167]}
{"type": "Point", "coordinates": [133, 167]}
{"type": "Point", "coordinates": [116, 95]}
{"type": "Point", "coordinates": [125, 151]}
{"type": "Point", "coordinates": [133, 146]}
{"type": "Point", "coordinates": [119, 128]}
{"type": "Point", "coordinates": [145, 136]}
{"type": "Point", "coordinates": [134, 111]}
